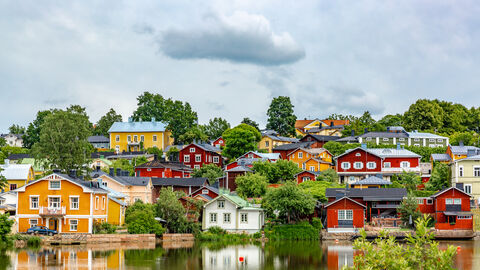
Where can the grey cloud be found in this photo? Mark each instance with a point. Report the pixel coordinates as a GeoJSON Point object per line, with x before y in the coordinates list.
{"type": "Point", "coordinates": [55, 101]}
{"type": "Point", "coordinates": [216, 106]}
{"type": "Point", "coordinates": [242, 37]}
{"type": "Point", "coordinates": [143, 29]}
{"type": "Point", "coordinates": [224, 83]}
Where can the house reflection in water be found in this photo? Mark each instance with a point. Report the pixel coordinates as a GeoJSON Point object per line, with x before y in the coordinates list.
{"type": "Point", "coordinates": [234, 257]}
{"type": "Point", "coordinates": [339, 255]}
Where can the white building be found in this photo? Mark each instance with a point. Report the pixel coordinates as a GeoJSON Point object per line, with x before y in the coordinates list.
{"type": "Point", "coordinates": [13, 139]}
{"type": "Point", "coordinates": [232, 214]}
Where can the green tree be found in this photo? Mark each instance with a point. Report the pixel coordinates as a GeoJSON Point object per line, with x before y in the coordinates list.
{"type": "Point", "coordinates": [282, 170]}
{"type": "Point", "coordinates": [408, 210]}
{"type": "Point", "coordinates": [359, 124]}
{"type": "Point", "coordinates": [32, 135]}
{"type": "Point", "coordinates": [419, 252]}
{"type": "Point", "coordinates": [5, 227]}
{"type": "Point", "coordinates": [3, 181]}
{"type": "Point", "coordinates": [250, 122]}
{"type": "Point", "coordinates": [140, 219]}
{"type": "Point", "coordinates": [391, 120]}
{"type": "Point", "coordinates": [317, 189]}
{"type": "Point", "coordinates": [424, 114]}
{"type": "Point", "coordinates": [440, 177]}
{"type": "Point", "coordinates": [210, 171]}
{"type": "Point", "coordinates": [195, 133]}
{"type": "Point", "coordinates": [3, 142]}
{"type": "Point", "coordinates": [16, 129]}
{"type": "Point", "coordinates": [216, 127]}
{"type": "Point", "coordinates": [171, 209]}
{"type": "Point", "coordinates": [328, 175]}
{"type": "Point", "coordinates": [409, 180]}
{"type": "Point", "coordinates": [106, 121]}
{"type": "Point", "coordinates": [467, 137]}
{"type": "Point", "coordinates": [129, 165]}
{"type": "Point", "coordinates": [155, 151]}
{"type": "Point", "coordinates": [63, 140]}
{"type": "Point", "coordinates": [239, 140]}
{"type": "Point", "coordinates": [454, 117]}
{"type": "Point", "coordinates": [172, 153]}
{"type": "Point", "coordinates": [251, 185]}
{"type": "Point", "coordinates": [291, 202]}
{"type": "Point", "coordinates": [281, 117]}
{"type": "Point", "coordinates": [336, 148]}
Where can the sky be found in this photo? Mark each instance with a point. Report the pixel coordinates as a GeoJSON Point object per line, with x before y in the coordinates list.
{"type": "Point", "coordinates": [230, 58]}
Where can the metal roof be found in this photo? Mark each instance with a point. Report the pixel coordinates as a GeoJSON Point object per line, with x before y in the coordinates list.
{"type": "Point", "coordinates": [416, 134]}
{"type": "Point", "coordinates": [281, 138]}
{"type": "Point", "coordinates": [183, 182]}
{"type": "Point", "coordinates": [440, 157]}
{"type": "Point", "coordinates": [392, 152]}
{"type": "Point", "coordinates": [372, 180]}
{"type": "Point", "coordinates": [369, 194]}
{"type": "Point", "coordinates": [462, 150]}
{"type": "Point", "coordinates": [148, 126]}
{"type": "Point", "coordinates": [124, 180]}
{"type": "Point", "coordinates": [384, 134]}
{"type": "Point", "coordinates": [15, 171]}
{"type": "Point", "coordinates": [98, 139]}
{"type": "Point", "coordinates": [178, 166]}
{"type": "Point", "coordinates": [293, 146]}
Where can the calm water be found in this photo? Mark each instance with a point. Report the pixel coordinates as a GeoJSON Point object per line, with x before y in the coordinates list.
{"type": "Point", "coordinates": [284, 255]}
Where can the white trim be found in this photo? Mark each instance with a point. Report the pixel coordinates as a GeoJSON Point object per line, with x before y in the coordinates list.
{"type": "Point", "coordinates": [46, 178]}
{"type": "Point", "coordinates": [30, 202]}
{"type": "Point", "coordinates": [54, 180]}
{"type": "Point", "coordinates": [70, 225]}
{"type": "Point", "coordinates": [70, 202]}
{"type": "Point", "coordinates": [96, 204]}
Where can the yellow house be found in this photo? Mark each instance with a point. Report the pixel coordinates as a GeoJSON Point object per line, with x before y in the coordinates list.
{"type": "Point", "coordinates": [134, 188]}
{"type": "Point", "coordinates": [314, 159]}
{"type": "Point", "coordinates": [270, 141]}
{"type": "Point", "coordinates": [17, 175]}
{"type": "Point", "coordinates": [328, 127]}
{"type": "Point", "coordinates": [116, 211]}
{"type": "Point", "coordinates": [132, 136]}
{"type": "Point", "coordinates": [61, 203]}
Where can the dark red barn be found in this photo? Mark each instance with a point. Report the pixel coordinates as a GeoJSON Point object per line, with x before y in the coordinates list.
{"type": "Point", "coordinates": [196, 155]}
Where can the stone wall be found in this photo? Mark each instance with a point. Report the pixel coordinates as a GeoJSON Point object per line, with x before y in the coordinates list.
{"type": "Point", "coordinates": [178, 237]}
{"type": "Point", "coordinates": [119, 238]}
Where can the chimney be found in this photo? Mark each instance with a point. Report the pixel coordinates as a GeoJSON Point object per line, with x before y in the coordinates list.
{"type": "Point", "coordinates": [112, 172]}
{"type": "Point", "coordinates": [353, 132]}
{"type": "Point", "coordinates": [73, 173]}
{"type": "Point", "coordinates": [365, 131]}
{"type": "Point", "coordinates": [460, 143]}
{"type": "Point", "coordinates": [119, 172]}
{"type": "Point", "coordinates": [331, 123]}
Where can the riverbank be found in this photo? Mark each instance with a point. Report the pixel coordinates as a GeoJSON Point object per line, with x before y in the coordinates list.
{"type": "Point", "coordinates": [401, 234]}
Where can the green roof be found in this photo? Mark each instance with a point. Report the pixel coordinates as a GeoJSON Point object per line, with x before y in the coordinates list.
{"type": "Point", "coordinates": [36, 165]}
{"type": "Point", "coordinates": [239, 201]}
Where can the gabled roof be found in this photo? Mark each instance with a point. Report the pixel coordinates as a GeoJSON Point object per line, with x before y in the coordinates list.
{"type": "Point", "coordinates": [447, 189]}
{"type": "Point", "coordinates": [123, 180]}
{"type": "Point", "coordinates": [334, 202]}
{"type": "Point", "coordinates": [321, 138]}
{"type": "Point", "coordinates": [98, 139]}
{"type": "Point", "coordinates": [293, 146]}
{"type": "Point", "coordinates": [117, 201]}
{"type": "Point", "coordinates": [348, 139]}
{"type": "Point", "coordinates": [213, 189]}
{"type": "Point", "coordinates": [205, 146]}
{"type": "Point", "coordinates": [369, 194]}
{"type": "Point", "coordinates": [149, 126]}
{"type": "Point", "coordinates": [312, 172]}
{"type": "Point", "coordinates": [240, 168]}
{"type": "Point", "coordinates": [462, 150]}
{"type": "Point", "coordinates": [317, 160]}
{"type": "Point", "coordinates": [372, 180]}
{"type": "Point", "coordinates": [477, 157]}
{"type": "Point", "coordinates": [236, 200]}
{"type": "Point", "coordinates": [263, 155]}
{"type": "Point", "coordinates": [281, 138]}
{"type": "Point", "coordinates": [302, 123]}
{"type": "Point", "coordinates": [15, 171]}
{"type": "Point", "coordinates": [180, 182]}
{"type": "Point", "coordinates": [87, 186]}
{"type": "Point", "coordinates": [384, 134]}
{"type": "Point", "coordinates": [416, 134]}
{"type": "Point", "coordinates": [177, 166]}
{"type": "Point", "coordinates": [384, 152]}
{"type": "Point", "coordinates": [312, 151]}
{"type": "Point", "coordinates": [18, 156]}
{"type": "Point", "coordinates": [440, 157]}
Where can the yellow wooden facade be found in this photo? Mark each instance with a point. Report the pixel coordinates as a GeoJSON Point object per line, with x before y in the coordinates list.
{"type": "Point", "coordinates": [116, 212]}
{"type": "Point", "coordinates": [318, 159]}
{"type": "Point", "coordinates": [269, 142]}
{"type": "Point", "coordinates": [23, 178]}
{"type": "Point", "coordinates": [61, 204]}
{"type": "Point", "coordinates": [131, 141]}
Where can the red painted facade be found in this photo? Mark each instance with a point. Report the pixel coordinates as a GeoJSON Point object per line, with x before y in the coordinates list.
{"type": "Point", "coordinates": [395, 162]}
{"type": "Point", "coordinates": [345, 204]}
{"type": "Point", "coordinates": [195, 156]}
{"type": "Point", "coordinates": [300, 177]}
{"type": "Point", "coordinates": [283, 153]}
{"type": "Point", "coordinates": [161, 172]}
{"type": "Point", "coordinates": [220, 142]}
{"type": "Point", "coordinates": [359, 155]}
{"type": "Point", "coordinates": [205, 191]}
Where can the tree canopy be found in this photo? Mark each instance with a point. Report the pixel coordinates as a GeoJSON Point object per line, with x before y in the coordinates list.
{"type": "Point", "coordinates": [280, 171]}
{"type": "Point", "coordinates": [239, 140]}
{"type": "Point", "coordinates": [216, 127]}
{"type": "Point", "coordinates": [440, 177]}
{"type": "Point", "coordinates": [16, 129]}
{"type": "Point", "coordinates": [210, 171]}
{"type": "Point", "coordinates": [281, 117]}
{"type": "Point", "coordinates": [194, 134]}
{"type": "Point", "coordinates": [105, 122]}
{"type": "Point", "coordinates": [250, 122]}
{"type": "Point", "coordinates": [32, 134]}
{"type": "Point", "coordinates": [251, 185]}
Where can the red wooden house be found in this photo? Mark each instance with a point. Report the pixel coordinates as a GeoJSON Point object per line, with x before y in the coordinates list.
{"type": "Point", "coordinates": [228, 181]}
{"type": "Point", "coordinates": [186, 185]}
{"type": "Point", "coordinates": [196, 155]}
{"type": "Point", "coordinates": [306, 176]}
{"type": "Point", "coordinates": [345, 215]}
{"type": "Point", "coordinates": [450, 208]}
{"type": "Point", "coordinates": [158, 168]}
{"type": "Point", "coordinates": [219, 142]}
{"type": "Point", "coordinates": [206, 192]}
{"type": "Point", "coordinates": [356, 164]}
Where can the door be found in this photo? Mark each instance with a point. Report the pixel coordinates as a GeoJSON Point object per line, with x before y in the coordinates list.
{"type": "Point", "coordinates": [53, 224]}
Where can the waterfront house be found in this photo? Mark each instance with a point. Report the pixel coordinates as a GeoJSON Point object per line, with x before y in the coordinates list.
{"type": "Point", "coordinates": [8, 203]}
{"type": "Point", "coordinates": [196, 155]}
{"type": "Point", "coordinates": [185, 185]}
{"type": "Point", "coordinates": [345, 215]}
{"type": "Point", "coordinates": [135, 136]}
{"type": "Point", "coordinates": [62, 203]}
{"type": "Point", "coordinates": [17, 175]}
{"type": "Point", "coordinates": [233, 214]}
{"type": "Point", "coordinates": [163, 169]}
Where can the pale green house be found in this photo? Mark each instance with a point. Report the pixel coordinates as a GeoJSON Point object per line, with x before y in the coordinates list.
{"type": "Point", "coordinates": [466, 175]}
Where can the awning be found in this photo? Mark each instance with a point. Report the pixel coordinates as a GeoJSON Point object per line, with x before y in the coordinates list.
{"type": "Point", "coordinates": [458, 213]}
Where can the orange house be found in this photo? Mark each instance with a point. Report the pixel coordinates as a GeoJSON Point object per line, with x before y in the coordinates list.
{"type": "Point", "coordinates": [315, 159]}
{"type": "Point", "coordinates": [61, 203]}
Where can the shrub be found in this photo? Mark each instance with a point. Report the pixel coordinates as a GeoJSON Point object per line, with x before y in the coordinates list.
{"type": "Point", "coordinates": [5, 227]}
{"type": "Point", "coordinates": [317, 223]}
{"type": "Point", "coordinates": [300, 231]}
{"type": "Point", "coordinates": [104, 228]}
{"type": "Point", "coordinates": [216, 230]}
{"type": "Point", "coordinates": [142, 222]}
{"type": "Point", "coordinates": [34, 241]}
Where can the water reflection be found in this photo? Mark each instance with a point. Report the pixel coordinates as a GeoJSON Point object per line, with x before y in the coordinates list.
{"type": "Point", "coordinates": [275, 255]}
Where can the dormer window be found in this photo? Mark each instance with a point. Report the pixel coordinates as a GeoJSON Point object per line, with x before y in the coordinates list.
{"type": "Point", "coordinates": [221, 204]}
{"type": "Point", "coordinates": [192, 149]}
{"type": "Point", "coordinates": [54, 184]}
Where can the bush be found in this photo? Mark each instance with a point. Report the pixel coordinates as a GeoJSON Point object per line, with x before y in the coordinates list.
{"type": "Point", "coordinates": [34, 241]}
{"type": "Point", "coordinates": [317, 223]}
{"type": "Point", "coordinates": [104, 228]}
{"type": "Point", "coordinates": [216, 230]}
{"type": "Point", "coordinates": [300, 231]}
{"type": "Point", "coordinates": [5, 227]}
{"type": "Point", "coordinates": [142, 222]}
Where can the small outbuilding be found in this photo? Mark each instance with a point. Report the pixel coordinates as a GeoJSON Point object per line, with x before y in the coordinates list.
{"type": "Point", "coordinates": [345, 215]}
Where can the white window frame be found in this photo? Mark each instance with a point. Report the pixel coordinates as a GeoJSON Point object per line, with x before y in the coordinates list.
{"type": "Point", "coordinates": [38, 202]}
{"type": "Point", "coordinates": [358, 163]}
{"type": "Point", "coordinates": [142, 138]}
{"type": "Point", "coordinates": [213, 217]}
{"type": "Point", "coordinates": [476, 171]}
{"type": "Point", "coordinates": [186, 159]}
{"type": "Point", "coordinates": [431, 140]}
{"type": "Point", "coordinates": [312, 168]}
{"type": "Point", "coordinates": [345, 165]}
{"type": "Point", "coordinates": [97, 202]}
{"type": "Point", "coordinates": [345, 214]}
{"type": "Point", "coordinates": [439, 140]}
{"type": "Point", "coordinates": [306, 178]}
{"type": "Point", "coordinates": [429, 201]}
{"type": "Point", "coordinates": [216, 159]}
{"type": "Point", "coordinates": [416, 140]}
{"type": "Point", "coordinates": [300, 155]}
{"type": "Point", "coordinates": [72, 203]}
{"type": "Point", "coordinates": [405, 164]}
{"type": "Point", "coordinates": [221, 204]}
{"type": "Point", "coordinates": [196, 166]}
{"type": "Point", "coordinates": [50, 184]}
{"type": "Point", "coordinates": [448, 201]}
{"type": "Point", "coordinates": [266, 143]}
{"type": "Point", "coordinates": [457, 201]}
{"type": "Point", "coordinates": [469, 188]}
{"type": "Point", "coordinates": [243, 217]}
{"type": "Point", "coordinates": [198, 158]}
{"type": "Point", "coordinates": [129, 138]}
{"type": "Point", "coordinates": [358, 154]}
{"type": "Point", "coordinates": [401, 139]}
{"type": "Point", "coordinates": [385, 139]}
{"type": "Point", "coordinates": [73, 225]}
{"type": "Point", "coordinates": [104, 203]}
{"type": "Point", "coordinates": [192, 149]}
{"type": "Point", "coordinates": [226, 217]}
{"type": "Point", "coordinates": [55, 197]}
{"type": "Point", "coordinates": [33, 222]}
{"type": "Point", "coordinates": [371, 165]}
{"type": "Point", "coordinates": [420, 201]}
{"type": "Point", "coordinates": [464, 217]}
{"type": "Point", "coordinates": [117, 138]}
{"type": "Point", "coordinates": [135, 138]}
{"type": "Point", "coordinates": [204, 191]}
{"type": "Point", "coordinates": [387, 165]}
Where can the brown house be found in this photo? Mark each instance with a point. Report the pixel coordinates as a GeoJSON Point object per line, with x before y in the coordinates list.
{"type": "Point", "coordinates": [187, 185]}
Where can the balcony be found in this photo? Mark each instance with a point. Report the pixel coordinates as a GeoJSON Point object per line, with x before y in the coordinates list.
{"type": "Point", "coordinates": [52, 212]}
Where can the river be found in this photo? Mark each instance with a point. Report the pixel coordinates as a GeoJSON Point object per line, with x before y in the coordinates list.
{"type": "Point", "coordinates": [279, 255]}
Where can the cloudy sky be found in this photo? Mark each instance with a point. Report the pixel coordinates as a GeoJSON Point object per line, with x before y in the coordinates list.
{"type": "Point", "coordinates": [229, 58]}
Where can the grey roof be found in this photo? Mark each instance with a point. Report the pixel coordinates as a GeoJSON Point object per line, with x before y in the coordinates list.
{"type": "Point", "coordinates": [369, 194]}
{"type": "Point", "coordinates": [149, 126]}
{"type": "Point", "coordinates": [416, 134]}
{"type": "Point", "coordinates": [206, 197]}
{"type": "Point", "coordinates": [88, 184]}
{"type": "Point", "coordinates": [372, 180]}
{"type": "Point", "coordinates": [348, 139]}
{"type": "Point", "coordinates": [214, 189]}
{"type": "Point", "coordinates": [98, 139]}
{"type": "Point", "coordinates": [345, 197]}
{"type": "Point", "coordinates": [182, 182]}
{"type": "Point", "coordinates": [312, 172]}
{"type": "Point", "coordinates": [18, 156]}
{"type": "Point", "coordinates": [325, 128]}
{"type": "Point", "coordinates": [321, 138]}
{"type": "Point", "coordinates": [440, 157]}
{"type": "Point", "coordinates": [476, 157]}
{"type": "Point", "coordinates": [384, 134]}
{"type": "Point", "coordinates": [15, 171]}
{"type": "Point", "coordinates": [178, 166]}
{"type": "Point", "coordinates": [392, 152]}
{"type": "Point", "coordinates": [207, 147]}
{"type": "Point", "coordinates": [240, 168]}
{"type": "Point", "coordinates": [281, 138]}
{"type": "Point", "coordinates": [462, 150]}
{"type": "Point", "coordinates": [293, 146]}
{"type": "Point", "coordinates": [124, 180]}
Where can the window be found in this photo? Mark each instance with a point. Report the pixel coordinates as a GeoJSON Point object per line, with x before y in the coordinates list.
{"type": "Point", "coordinates": [117, 148]}
{"type": "Point", "coordinates": [244, 217]}
{"type": "Point", "coordinates": [117, 138]}
{"type": "Point", "coordinates": [137, 199]}
{"type": "Point", "coordinates": [293, 155]}
{"type": "Point", "coordinates": [74, 203]}
{"type": "Point", "coordinates": [104, 203]}
{"type": "Point", "coordinates": [401, 139]}
{"type": "Point", "coordinates": [54, 184]}
{"type": "Point", "coordinates": [352, 178]}
{"type": "Point", "coordinates": [385, 139]}
{"type": "Point", "coordinates": [460, 171]}
{"type": "Point", "coordinates": [186, 158]}
{"type": "Point", "coordinates": [196, 166]}
{"type": "Point", "coordinates": [300, 155]}
{"type": "Point", "coordinates": [135, 138]}
{"type": "Point", "coordinates": [221, 204]}
{"type": "Point", "coordinates": [345, 214]}
{"type": "Point", "coordinates": [142, 138]}
{"type": "Point", "coordinates": [476, 171]}
{"type": "Point", "coordinates": [387, 165]}
{"type": "Point", "coordinates": [448, 201]}
{"type": "Point", "coordinates": [464, 217]}
{"type": "Point", "coordinates": [304, 166]}
{"type": "Point", "coordinates": [54, 202]}
{"type": "Point", "coordinates": [358, 165]}
{"type": "Point", "coordinates": [416, 144]}
{"type": "Point", "coordinates": [467, 189]}
{"type": "Point", "coordinates": [439, 140]}
{"type": "Point", "coordinates": [226, 218]}
{"type": "Point", "coordinates": [204, 191]}
{"type": "Point", "coordinates": [266, 143]}
{"type": "Point", "coordinates": [371, 165]}
{"type": "Point", "coordinates": [154, 138]}
{"type": "Point", "coordinates": [429, 201]}
{"type": "Point", "coordinates": [416, 140]}
{"type": "Point", "coordinates": [312, 168]}
{"type": "Point", "coordinates": [192, 149]}
{"type": "Point", "coordinates": [105, 184]}
{"type": "Point", "coordinates": [198, 158]}
{"type": "Point", "coordinates": [97, 202]}
{"type": "Point", "coordinates": [457, 201]}
{"type": "Point", "coordinates": [33, 222]}
{"type": "Point", "coordinates": [345, 165]}
{"type": "Point", "coordinates": [405, 164]}
{"type": "Point", "coordinates": [420, 201]}
{"type": "Point", "coordinates": [129, 138]}
{"type": "Point", "coordinates": [34, 202]}
{"type": "Point", "coordinates": [73, 224]}
{"type": "Point", "coordinates": [216, 159]}
{"type": "Point", "coordinates": [358, 155]}
{"type": "Point", "coordinates": [213, 217]}
{"type": "Point", "coordinates": [368, 139]}
{"type": "Point", "coordinates": [306, 178]}
{"type": "Point", "coordinates": [13, 186]}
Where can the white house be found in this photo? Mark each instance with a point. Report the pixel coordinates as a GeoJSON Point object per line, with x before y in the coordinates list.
{"type": "Point", "coordinates": [13, 139]}
{"type": "Point", "coordinates": [232, 214]}
{"type": "Point", "coordinates": [8, 202]}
